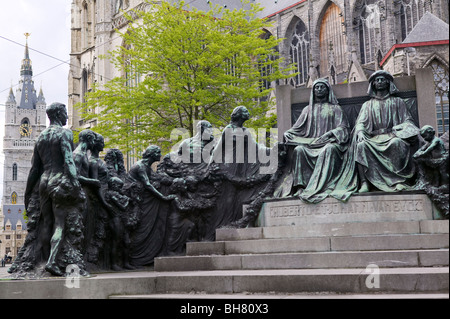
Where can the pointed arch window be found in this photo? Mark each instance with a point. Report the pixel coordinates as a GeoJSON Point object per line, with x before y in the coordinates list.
{"type": "Point", "coordinates": [410, 13]}
{"type": "Point", "coordinates": [118, 6]}
{"type": "Point", "coordinates": [133, 79]}
{"type": "Point", "coordinates": [265, 68]}
{"type": "Point", "coordinates": [132, 76]}
{"type": "Point", "coordinates": [14, 172]}
{"type": "Point", "coordinates": [87, 22]}
{"type": "Point", "coordinates": [369, 31]}
{"type": "Point", "coordinates": [441, 81]}
{"type": "Point", "coordinates": [333, 43]}
{"type": "Point", "coordinates": [84, 84]}
{"type": "Point", "coordinates": [14, 198]}
{"type": "Point", "coordinates": [299, 53]}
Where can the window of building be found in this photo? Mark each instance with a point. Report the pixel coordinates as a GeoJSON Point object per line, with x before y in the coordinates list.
{"type": "Point", "coordinates": [299, 53]}
{"type": "Point", "coordinates": [333, 43]}
{"type": "Point", "coordinates": [133, 78]}
{"type": "Point", "coordinates": [14, 198]}
{"type": "Point", "coordinates": [266, 69]}
{"type": "Point", "coordinates": [14, 172]}
{"type": "Point", "coordinates": [87, 23]}
{"type": "Point", "coordinates": [118, 6]}
{"type": "Point", "coordinates": [441, 81]}
{"type": "Point", "coordinates": [410, 13]}
{"type": "Point", "coordinates": [84, 84]}
{"type": "Point", "coordinates": [369, 31]}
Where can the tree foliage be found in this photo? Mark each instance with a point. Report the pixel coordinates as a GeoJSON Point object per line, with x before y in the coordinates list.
{"type": "Point", "coordinates": [181, 65]}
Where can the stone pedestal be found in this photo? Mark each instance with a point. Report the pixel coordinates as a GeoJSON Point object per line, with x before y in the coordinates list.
{"type": "Point", "coordinates": [359, 208]}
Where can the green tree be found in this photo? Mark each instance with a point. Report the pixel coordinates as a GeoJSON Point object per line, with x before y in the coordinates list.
{"type": "Point", "coordinates": [183, 65]}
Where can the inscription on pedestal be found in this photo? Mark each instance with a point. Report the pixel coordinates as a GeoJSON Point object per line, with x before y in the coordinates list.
{"type": "Point", "coordinates": [363, 208]}
{"type": "Point", "coordinates": [366, 207]}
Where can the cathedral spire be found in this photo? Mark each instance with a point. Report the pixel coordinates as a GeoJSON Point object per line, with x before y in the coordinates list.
{"type": "Point", "coordinates": [26, 68]}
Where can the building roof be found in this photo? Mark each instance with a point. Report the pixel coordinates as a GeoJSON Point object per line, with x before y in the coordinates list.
{"type": "Point", "coordinates": [429, 31]}
{"type": "Point", "coordinates": [429, 28]}
{"type": "Point", "coordinates": [13, 214]}
{"type": "Point", "coordinates": [272, 7]}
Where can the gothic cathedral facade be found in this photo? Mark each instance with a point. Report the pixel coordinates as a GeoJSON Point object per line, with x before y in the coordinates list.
{"type": "Point", "coordinates": [342, 40]}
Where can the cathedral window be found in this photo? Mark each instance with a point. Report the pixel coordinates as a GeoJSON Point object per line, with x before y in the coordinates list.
{"type": "Point", "coordinates": [133, 77]}
{"type": "Point", "coordinates": [369, 31]}
{"type": "Point", "coordinates": [14, 172]}
{"type": "Point", "coordinates": [441, 81]}
{"type": "Point", "coordinates": [118, 7]}
{"type": "Point", "coordinates": [299, 53]}
{"type": "Point", "coordinates": [266, 70]}
{"type": "Point", "coordinates": [84, 84]}
{"type": "Point", "coordinates": [333, 43]}
{"type": "Point", "coordinates": [87, 24]}
{"type": "Point", "coordinates": [410, 13]}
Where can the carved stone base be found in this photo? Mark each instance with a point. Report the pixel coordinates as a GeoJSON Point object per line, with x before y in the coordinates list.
{"type": "Point", "coordinates": [372, 207]}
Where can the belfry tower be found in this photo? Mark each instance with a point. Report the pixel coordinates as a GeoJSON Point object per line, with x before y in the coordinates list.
{"type": "Point", "coordinates": [25, 118]}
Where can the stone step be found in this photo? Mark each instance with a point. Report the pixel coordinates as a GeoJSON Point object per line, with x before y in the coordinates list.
{"type": "Point", "coordinates": [333, 243]}
{"type": "Point", "coordinates": [399, 280]}
{"type": "Point", "coordinates": [391, 280]}
{"type": "Point", "coordinates": [408, 280]}
{"type": "Point", "coordinates": [335, 229]}
{"type": "Point", "coordinates": [314, 260]}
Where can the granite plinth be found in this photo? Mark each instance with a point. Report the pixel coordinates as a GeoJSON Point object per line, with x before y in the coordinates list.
{"type": "Point", "coordinates": [359, 208]}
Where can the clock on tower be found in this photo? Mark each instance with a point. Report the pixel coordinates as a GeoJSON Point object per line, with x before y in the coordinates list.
{"type": "Point", "coordinates": [25, 130]}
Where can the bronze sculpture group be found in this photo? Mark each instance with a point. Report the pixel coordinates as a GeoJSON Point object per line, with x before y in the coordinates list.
{"type": "Point", "coordinates": [91, 213]}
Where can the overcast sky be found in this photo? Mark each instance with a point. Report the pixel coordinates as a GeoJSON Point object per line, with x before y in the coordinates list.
{"type": "Point", "coordinates": [48, 21]}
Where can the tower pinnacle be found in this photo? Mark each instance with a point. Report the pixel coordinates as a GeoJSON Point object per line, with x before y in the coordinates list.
{"type": "Point", "coordinates": [26, 62]}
